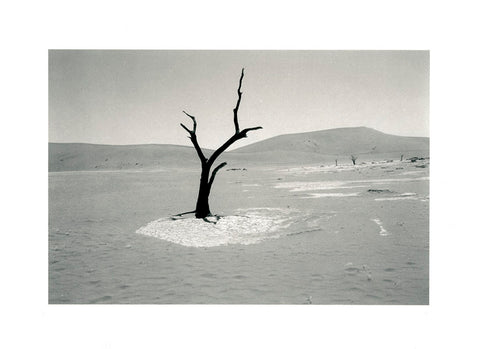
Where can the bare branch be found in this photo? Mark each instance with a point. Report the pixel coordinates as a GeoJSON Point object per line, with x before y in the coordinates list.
{"type": "Point", "coordinates": [214, 173]}
{"type": "Point", "coordinates": [230, 141]}
{"type": "Point", "coordinates": [193, 119]}
{"type": "Point", "coordinates": [244, 131]}
{"type": "Point", "coordinates": [193, 138]}
{"type": "Point", "coordinates": [238, 134]}
{"type": "Point", "coordinates": [235, 110]}
{"type": "Point", "coordinates": [185, 127]}
{"type": "Point", "coordinates": [183, 213]}
{"type": "Point", "coordinates": [202, 209]}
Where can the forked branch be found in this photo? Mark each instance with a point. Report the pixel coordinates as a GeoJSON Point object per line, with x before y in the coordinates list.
{"type": "Point", "coordinates": [238, 134]}
{"type": "Point", "coordinates": [202, 209]}
{"type": "Point", "coordinates": [193, 137]}
{"type": "Point", "coordinates": [194, 121]}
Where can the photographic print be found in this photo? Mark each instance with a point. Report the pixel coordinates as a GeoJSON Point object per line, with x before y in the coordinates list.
{"type": "Point", "coordinates": [238, 177]}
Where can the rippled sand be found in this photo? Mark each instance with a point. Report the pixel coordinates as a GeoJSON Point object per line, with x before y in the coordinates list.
{"type": "Point", "coordinates": [332, 242]}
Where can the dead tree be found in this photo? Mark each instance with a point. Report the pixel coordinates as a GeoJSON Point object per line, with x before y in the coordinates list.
{"type": "Point", "coordinates": [336, 162]}
{"type": "Point", "coordinates": [401, 157]}
{"type": "Point", "coordinates": [202, 208]}
{"type": "Point", "coordinates": [354, 158]}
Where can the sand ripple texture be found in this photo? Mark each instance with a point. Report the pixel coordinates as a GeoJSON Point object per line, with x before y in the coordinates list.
{"type": "Point", "coordinates": [249, 227]}
{"type": "Point", "coordinates": [330, 250]}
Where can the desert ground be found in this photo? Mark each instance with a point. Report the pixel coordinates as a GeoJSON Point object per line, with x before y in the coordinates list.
{"type": "Point", "coordinates": [286, 234]}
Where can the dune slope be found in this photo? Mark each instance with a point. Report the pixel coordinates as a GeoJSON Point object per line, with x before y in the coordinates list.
{"type": "Point", "coordinates": [301, 148]}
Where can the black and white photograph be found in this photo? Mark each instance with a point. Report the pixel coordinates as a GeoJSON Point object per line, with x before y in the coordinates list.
{"type": "Point", "coordinates": [238, 177]}
{"type": "Point", "coordinates": [249, 174]}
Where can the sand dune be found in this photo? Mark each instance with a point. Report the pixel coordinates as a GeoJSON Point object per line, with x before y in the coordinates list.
{"type": "Point", "coordinates": [320, 147]}
{"type": "Point", "coordinates": [339, 141]}
{"type": "Point", "coordinates": [84, 157]}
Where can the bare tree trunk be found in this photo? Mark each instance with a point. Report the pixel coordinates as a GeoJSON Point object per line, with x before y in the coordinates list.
{"type": "Point", "coordinates": [202, 208]}
{"type": "Point", "coordinates": [354, 159]}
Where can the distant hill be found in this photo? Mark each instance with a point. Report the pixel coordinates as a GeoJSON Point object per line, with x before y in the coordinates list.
{"type": "Point", "coordinates": [338, 143]}
{"type": "Point", "coordinates": [293, 149]}
{"type": "Point", "coordinates": [85, 157]}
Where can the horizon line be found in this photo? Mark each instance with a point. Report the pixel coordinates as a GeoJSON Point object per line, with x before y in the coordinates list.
{"type": "Point", "coordinates": [283, 134]}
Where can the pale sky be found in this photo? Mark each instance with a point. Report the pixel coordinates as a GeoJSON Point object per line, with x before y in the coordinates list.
{"type": "Point", "coordinates": [137, 97]}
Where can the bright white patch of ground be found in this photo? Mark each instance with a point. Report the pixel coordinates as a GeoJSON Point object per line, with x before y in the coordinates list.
{"type": "Point", "coordinates": [323, 185]}
{"type": "Point", "coordinates": [326, 169]}
{"type": "Point", "coordinates": [407, 173]}
{"type": "Point", "coordinates": [403, 196]}
{"type": "Point", "coordinates": [383, 231]}
{"type": "Point", "coordinates": [249, 227]}
{"type": "Point", "coordinates": [344, 167]}
{"type": "Point", "coordinates": [329, 185]}
{"type": "Point", "coordinates": [386, 180]}
{"type": "Point", "coordinates": [396, 198]}
{"type": "Point", "coordinates": [326, 195]}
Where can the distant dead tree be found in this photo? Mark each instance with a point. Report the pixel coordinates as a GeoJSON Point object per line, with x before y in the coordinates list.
{"type": "Point", "coordinates": [354, 158]}
{"type": "Point", "coordinates": [336, 162]}
{"type": "Point", "coordinates": [202, 208]}
{"type": "Point", "coordinates": [401, 157]}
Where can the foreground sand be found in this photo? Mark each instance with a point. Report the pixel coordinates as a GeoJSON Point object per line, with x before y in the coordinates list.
{"type": "Point", "coordinates": [346, 235]}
